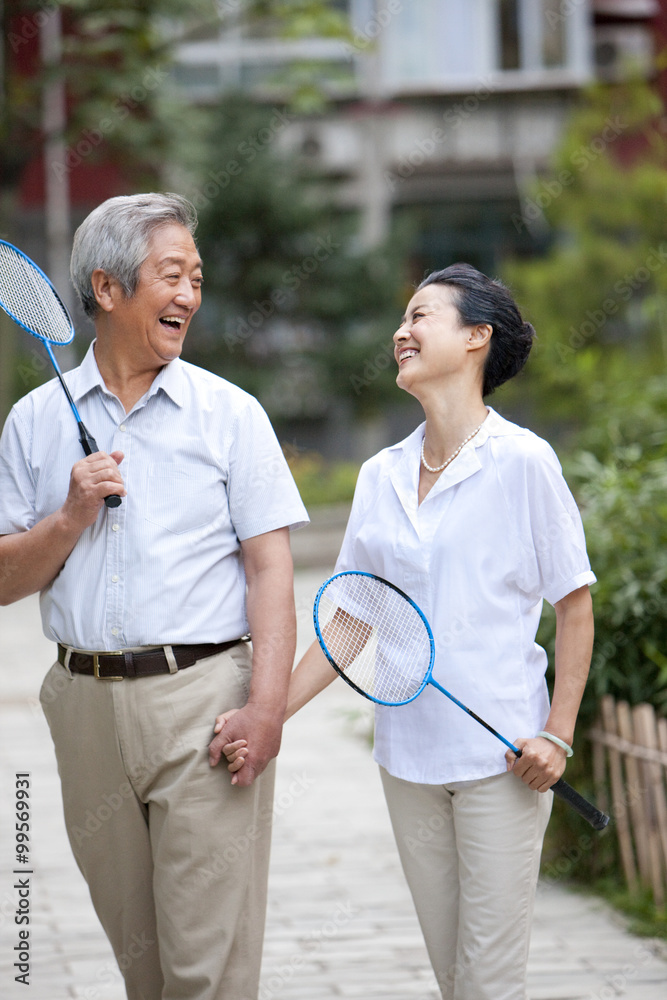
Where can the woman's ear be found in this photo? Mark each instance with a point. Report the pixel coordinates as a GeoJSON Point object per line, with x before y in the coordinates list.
{"type": "Point", "coordinates": [105, 289]}
{"type": "Point", "coordinates": [479, 336]}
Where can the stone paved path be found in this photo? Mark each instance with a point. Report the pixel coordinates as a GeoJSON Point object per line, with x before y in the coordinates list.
{"type": "Point", "coordinates": [340, 921]}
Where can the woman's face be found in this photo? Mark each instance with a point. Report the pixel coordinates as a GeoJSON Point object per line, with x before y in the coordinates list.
{"type": "Point", "coordinates": [430, 343]}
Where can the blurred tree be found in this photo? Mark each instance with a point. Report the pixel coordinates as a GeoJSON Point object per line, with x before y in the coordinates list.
{"type": "Point", "coordinates": [123, 109]}
{"type": "Point", "coordinates": [294, 310]}
{"type": "Point", "coordinates": [595, 383]}
{"type": "Point", "coordinates": [597, 299]}
{"type": "Point", "coordinates": [303, 83]}
{"type": "Point", "coordinates": [619, 475]}
{"type": "Point", "coordinates": [115, 62]}
{"type": "Point", "coordinates": [597, 296]}
{"type": "Point", "coordinates": [119, 111]}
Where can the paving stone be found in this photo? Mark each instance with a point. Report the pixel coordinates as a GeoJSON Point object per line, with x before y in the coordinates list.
{"type": "Point", "coordinates": [340, 921]}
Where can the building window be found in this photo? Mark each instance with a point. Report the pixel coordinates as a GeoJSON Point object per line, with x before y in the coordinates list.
{"type": "Point", "coordinates": [508, 22]}
{"type": "Point", "coordinates": [531, 35]}
{"type": "Point", "coordinates": [448, 45]}
{"type": "Point", "coordinates": [554, 51]}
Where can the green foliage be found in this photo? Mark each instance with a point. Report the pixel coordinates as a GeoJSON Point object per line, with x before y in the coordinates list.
{"type": "Point", "coordinates": [597, 296]}
{"type": "Point", "coordinates": [625, 508]}
{"type": "Point", "coordinates": [597, 301]}
{"type": "Point", "coordinates": [294, 310]}
{"type": "Point", "coordinates": [619, 475]}
{"type": "Point", "coordinates": [116, 63]}
{"type": "Point", "coordinates": [304, 85]}
{"type": "Point", "coordinates": [595, 385]}
{"type": "Point", "coordinates": [645, 919]}
{"type": "Point", "coordinates": [323, 482]}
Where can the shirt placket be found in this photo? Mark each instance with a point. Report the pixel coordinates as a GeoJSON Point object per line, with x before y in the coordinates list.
{"type": "Point", "coordinates": [116, 562]}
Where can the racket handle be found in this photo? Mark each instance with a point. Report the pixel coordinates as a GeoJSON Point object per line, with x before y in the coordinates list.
{"type": "Point", "coordinates": [89, 445]}
{"type": "Point", "coordinates": [597, 819]}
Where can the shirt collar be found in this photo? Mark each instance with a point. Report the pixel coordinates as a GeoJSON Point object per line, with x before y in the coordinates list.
{"type": "Point", "coordinates": [405, 473]}
{"type": "Point", "coordinates": [86, 378]}
{"type": "Point", "coordinates": [170, 380]}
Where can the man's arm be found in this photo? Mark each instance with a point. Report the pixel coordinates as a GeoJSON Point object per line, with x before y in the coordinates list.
{"type": "Point", "coordinates": [29, 560]}
{"type": "Point", "coordinates": [272, 618]}
{"type": "Point", "coordinates": [542, 762]}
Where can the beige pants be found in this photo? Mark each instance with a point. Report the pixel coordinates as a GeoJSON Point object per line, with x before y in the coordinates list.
{"type": "Point", "coordinates": [471, 858]}
{"type": "Point", "coordinates": [176, 858]}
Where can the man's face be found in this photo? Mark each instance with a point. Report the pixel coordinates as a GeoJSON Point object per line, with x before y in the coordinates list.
{"type": "Point", "coordinates": [152, 324]}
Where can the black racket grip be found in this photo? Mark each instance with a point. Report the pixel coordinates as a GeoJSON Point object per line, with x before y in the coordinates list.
{"type": "Point", "coordinates": [89, 445]}
{"type": "Point", "coordinates": [597, 819]}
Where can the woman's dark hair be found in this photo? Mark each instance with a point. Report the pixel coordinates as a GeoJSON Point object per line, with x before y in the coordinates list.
{"type": "Point", "coordinates": [481, 300]}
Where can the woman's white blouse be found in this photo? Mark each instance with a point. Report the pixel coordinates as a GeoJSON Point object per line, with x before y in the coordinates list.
{"type": "Point", "coordinates": [498, 532]}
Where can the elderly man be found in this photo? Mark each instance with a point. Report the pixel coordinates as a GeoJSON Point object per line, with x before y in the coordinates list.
{"type": "Point", "coordinates": [150, 602]}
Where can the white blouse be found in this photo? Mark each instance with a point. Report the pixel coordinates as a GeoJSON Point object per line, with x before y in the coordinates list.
{"type": "Point", "coordinates": [498, 532]}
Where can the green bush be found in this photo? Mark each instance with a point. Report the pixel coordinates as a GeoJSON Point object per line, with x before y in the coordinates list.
{"type": "Point", "coordinates": [322, 482]}
{"type": "Point", "coordinates": [619, 476]}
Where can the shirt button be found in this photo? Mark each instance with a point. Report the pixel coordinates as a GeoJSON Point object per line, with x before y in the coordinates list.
{"type": "Point", "coordinates": [115, 527]}
{"type": "Point", "coordinates": [114, 578]}
{"type": "Point", "coordinates": [122, 427]}
{"type": "Point", "coordinates": [115, 631]}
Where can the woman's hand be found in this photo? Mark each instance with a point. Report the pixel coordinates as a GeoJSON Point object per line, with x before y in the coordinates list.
{"type": "Point", "coordinates": [236, 752]}
{"type": "Point", "coordinates": [540, 765]}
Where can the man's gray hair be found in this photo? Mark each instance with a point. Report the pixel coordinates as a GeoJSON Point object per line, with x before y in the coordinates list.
{"type": "Point", "coordinates": [116, 238]}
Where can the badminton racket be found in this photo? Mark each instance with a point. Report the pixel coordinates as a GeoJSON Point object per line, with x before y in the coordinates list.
{"type": "Point", "coordinates": [380, 642]}
{"type": "Point", "coordinates": [29, 298]}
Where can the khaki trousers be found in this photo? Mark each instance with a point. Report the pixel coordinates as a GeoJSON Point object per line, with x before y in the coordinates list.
{"type": "Point", "coordinates": [175, 857]}
{"type": "Point", "coordinates": [471, 858]}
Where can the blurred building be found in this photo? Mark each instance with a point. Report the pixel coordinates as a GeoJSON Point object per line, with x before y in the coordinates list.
{"type": "Point", "coordinates": [443, 111]}
{"type": "Point", "coordinates": [446, 109]}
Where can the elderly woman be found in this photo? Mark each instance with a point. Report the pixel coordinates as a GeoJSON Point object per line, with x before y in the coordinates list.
{"type": "Point", "coordinates": [148, 605]}
{"type": "Point", "coordinates": [470, 516]}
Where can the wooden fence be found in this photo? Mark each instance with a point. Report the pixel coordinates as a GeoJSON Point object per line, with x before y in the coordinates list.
{"type": "Point", "coordinates": [630, 762]}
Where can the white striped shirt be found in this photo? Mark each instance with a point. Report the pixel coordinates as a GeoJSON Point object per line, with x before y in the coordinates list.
{"type": "Point", "coordinates": [203, 471]}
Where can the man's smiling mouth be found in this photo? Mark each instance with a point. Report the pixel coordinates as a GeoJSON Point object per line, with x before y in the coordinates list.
{"type": "Point", "coordinates": [172, 322]}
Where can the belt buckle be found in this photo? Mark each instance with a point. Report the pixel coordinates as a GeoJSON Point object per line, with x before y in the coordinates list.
{"type": "Point", "coordinates": [96, 665]}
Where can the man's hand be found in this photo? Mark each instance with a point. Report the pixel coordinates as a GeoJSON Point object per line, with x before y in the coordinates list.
{"type": "Point", "coordinates": [259, 732]}
{"type": "Point", "coordinates": [540, 765]}
{"type": "Point", "coordinates": [91, 480]}
{"type": "Point", "coordinates": [29, 560]}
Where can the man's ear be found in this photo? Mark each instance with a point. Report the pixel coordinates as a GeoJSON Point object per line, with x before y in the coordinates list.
{"type": "Point", "coordinates": [105, 289]}
{"type": "Point", "coordinates": [479, 336]}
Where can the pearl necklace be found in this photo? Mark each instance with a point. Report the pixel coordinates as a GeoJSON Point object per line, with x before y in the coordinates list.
{"type": "Point", "coordinates": [430, 468]}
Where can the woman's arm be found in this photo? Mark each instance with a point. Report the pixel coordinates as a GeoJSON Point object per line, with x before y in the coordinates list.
{"type": "Point", "coordinates": [542, 762]}
{"type": "Point", "coordinates": [312, 674]}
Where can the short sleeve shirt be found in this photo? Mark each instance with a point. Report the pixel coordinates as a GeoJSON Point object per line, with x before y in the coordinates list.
{"type": "Point", "coordinates": [498, 533]}
{"type": "Point", "coordinates": [203, 472]}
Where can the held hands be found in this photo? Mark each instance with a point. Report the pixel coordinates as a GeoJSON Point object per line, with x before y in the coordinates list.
{"type": "Point", "coordinates": [92, 479]}
{"type": "Point", "coordinates": [234, 730]}
{"type": "Point", "coordinates": [540, 765]}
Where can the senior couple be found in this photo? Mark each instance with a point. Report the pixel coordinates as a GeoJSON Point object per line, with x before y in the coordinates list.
{"type": "Point", "coordinates": [151, 604]}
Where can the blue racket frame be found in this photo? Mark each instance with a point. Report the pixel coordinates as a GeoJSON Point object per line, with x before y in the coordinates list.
{"type": "Point", "coordinates": [88, 442]}
{"type": "Point", "coordinates": [428, 676]}
{"type": "Point", "coordinates": [46, 278]}
{"type": "Point", "coordinates": [597, 819]}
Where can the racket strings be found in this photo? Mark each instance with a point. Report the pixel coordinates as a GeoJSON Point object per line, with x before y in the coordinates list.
{"type": "Point", "coordinates": [376, 638]}
{"type": "Point", "coordinates": [31, 299]}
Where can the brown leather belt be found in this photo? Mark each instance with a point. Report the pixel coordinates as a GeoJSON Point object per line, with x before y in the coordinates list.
{"type": "Point", "coordinates": [115, 666]}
